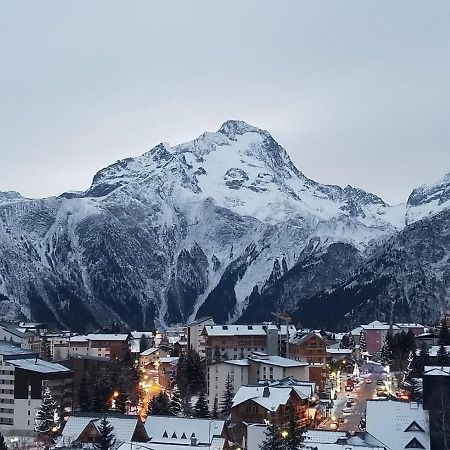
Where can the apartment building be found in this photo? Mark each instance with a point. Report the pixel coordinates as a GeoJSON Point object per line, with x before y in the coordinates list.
{"type": "Point", "coordinates": [23, 334]}
{"type": "Point", "coordinates": [195, 338]}
{"type": "Point", "coordinates": [23, 378]}
{"type": "Point", "coordinates": [308, 346]}
{"type": "Point", "coordinates": [258, 367]}
{"type": "Point", "coordinates": [239, 341]}
{"type": "Point", "coordinates": [113, 346]}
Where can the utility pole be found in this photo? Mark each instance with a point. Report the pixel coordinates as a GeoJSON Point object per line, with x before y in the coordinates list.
{"type": "Point", "coordinates": [287, 319]}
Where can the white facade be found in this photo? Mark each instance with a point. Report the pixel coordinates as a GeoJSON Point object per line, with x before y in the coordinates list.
{"type": "Point", "coordinates": [196, 340]}
{"type": "Point", "coordinates": [216, 377]}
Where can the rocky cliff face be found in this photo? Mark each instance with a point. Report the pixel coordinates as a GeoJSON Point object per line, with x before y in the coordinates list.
{"type": "Point", "coordinates": [223, 225]}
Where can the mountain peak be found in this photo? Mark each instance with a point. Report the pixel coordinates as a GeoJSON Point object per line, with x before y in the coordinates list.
{"type": "Point", "coordinates": [233, 128]}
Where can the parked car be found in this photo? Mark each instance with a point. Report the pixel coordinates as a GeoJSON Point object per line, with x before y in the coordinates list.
{"type": "Point", "coordinates": [380, 383]}
{"type": "Point", "coordinates": [346, 410]}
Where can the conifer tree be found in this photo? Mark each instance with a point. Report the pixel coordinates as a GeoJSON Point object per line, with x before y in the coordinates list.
{"type": "Point", "coordinates": [45, 349]}
{"type": "Point", "coordinates": [47, 421]}
{"type": "Point", "coordinates": [442, 357]}
{"type": "Point", "coordinates": [186, 406]}
{"type": "Point", "coordinates": [215, 410]}
{"type": "Point", "coordinates": [106, 439]}
{"type": "Point", "coordinates": [273, 439]}
{"type": "Point", "coordinates": [175, 402]}
{"type": "Point", "coordinates": [227, 397]}
{"type": "Point", "coordinates": [144, 343]}
{"type": "Point", "coordinates": [386, 351]}
{"type": "Point", "coordinates": [83, 396]}
{"type": "Point", "coordinates": [201, 406]}
{"type": "Point", "coordinates": [160, 405]}
{"type": "Point", "coordinates": [362, 342]}
{"type": "Point", "coordinates": [294, 437]}
{"type": "Point", "coordinates": [3, 445]}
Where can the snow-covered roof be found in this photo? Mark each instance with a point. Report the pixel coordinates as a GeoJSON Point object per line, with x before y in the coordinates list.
{"type": "Point", "coordinates": [437, 370]}
{"type": "Point", "coordinates": [107, 337]}
{"type": "Point", "coordinates": [8, 349]}
{"type": "Point", "coordinates": [139, 334]}
{"type": "Point", "coordinates": [124, 426]}
{"type": "Point", "coordinates": [323, 436]}
{"type": "Point", "coordinates": [38, 365]}
{"type": "Point", "coordinates": [277, 361]}
{"type": "Point", "coordinates": [235, 362]}
{"type": "Point", "coordinates": [150, 350]}
{"type": "Point", "coordinates": [169, 360]}
{"type": "Point", "coordinates": [217, 443]}
{"type": "Point", "coordinates": [339, 351]}
{"type": "Point", "coordinates": [300, 337]}
{"type": "Point", "coordinates": [179, 430]}
{"type": "Point", "coordinates": [270, 398]}
{"type": "Point", "coordinates": [305, 389]}
{"type": "Point", "coordinates": [377, 325]}
{"type": "Point", "coordinates": [237, 330]}
{"type": "Point", "coordinates": [356, 331]}
{"type": "Point", "coordinates": [390, 421]}
{"type": "Point", "coordinates": [78, 338]}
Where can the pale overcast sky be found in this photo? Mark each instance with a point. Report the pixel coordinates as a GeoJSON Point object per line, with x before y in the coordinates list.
{"type": "Point", "coordinates": [358, 92]}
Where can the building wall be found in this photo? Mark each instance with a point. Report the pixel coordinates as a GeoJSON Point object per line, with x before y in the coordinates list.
{"type": "Point", "coordinates": [375, 339]}
{"type": "Point", "coordinates": [196, 340]}
{"type": "Point", "coordinates": [216, 376]}
{"type": "Point", "coordinates": [313, 350]}
{"type": "Point", "coordinates": [6, 395]}
{"type": "Point", "coordinates": [153, 357]}
{"type": "Point", "coordinates": [236, 347]}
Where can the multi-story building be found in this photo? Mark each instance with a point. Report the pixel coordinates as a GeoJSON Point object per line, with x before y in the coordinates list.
{"type": "Point", "coordinates": [376, 333]}
{"type": "Point", "coordinates": [79, 345]}
{"type": "Point", "coordinates": [152, 355]}
{"type": "Point", "coordinates": [23, 378]}
{"type": "Point", "coordinates": [25, 335]}
{"type": "Point", "coordinates": [195, 338]}
{"type": "Point", "coordinates": [257, 404]}
{"type": "Point", "coordinates": [308, 346]}
{"type": "Point", "coordinates": [114, 346]}
{"type": "Point", "coordinates": [239, 341]}
{"type": "Point", "coordinates": [258, 367]}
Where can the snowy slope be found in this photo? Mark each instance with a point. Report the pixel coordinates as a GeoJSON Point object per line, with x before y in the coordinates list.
{"type": "Point", "coordinates": [195, 228]}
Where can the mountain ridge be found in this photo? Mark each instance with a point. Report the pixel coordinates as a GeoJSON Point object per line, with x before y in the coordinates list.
{"type": "Point", "coordinates": [207, 226]}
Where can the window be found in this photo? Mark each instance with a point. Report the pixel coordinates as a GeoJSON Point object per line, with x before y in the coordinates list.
{"type": "Point", "coordinates": [414, 443]}
{"type": "Point", "coordinates": [414, 426]}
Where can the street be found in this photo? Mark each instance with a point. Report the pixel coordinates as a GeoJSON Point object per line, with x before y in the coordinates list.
{"type": "Point", "coordinates": [353, 414]}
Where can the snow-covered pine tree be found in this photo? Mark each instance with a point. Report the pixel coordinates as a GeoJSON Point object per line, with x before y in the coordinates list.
{"type": "Point", "coordinates": [47, 420]}
{"type": "Point", "coordinates": [105, 439]}
{"type": "Point", "coordinates": [227, 397]}
{"type": "Point", "coordinates": [273, 439]}
{"type": "Point", "coordinates": [351, 341]}
{"type": "Point", "coordinates": [442, 357]}
{"type": "Point", "coordinates": [362, 342]}
{"type": "Point", "coordinates": [201, 406]}
{"type": "Point", "coordinates": [175, 402]}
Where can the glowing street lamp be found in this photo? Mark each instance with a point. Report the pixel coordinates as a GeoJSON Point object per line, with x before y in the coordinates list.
{"type": "Point", "coordinates": [284, 434]}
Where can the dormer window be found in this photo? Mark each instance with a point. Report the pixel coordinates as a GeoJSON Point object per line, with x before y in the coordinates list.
{"type": "Point", "coordinates": [174, 435]}
{"type": "Point", "coordinates": [414, 443]}
{"type": "Point", "coordinates": [165, 435]}
{"type": "Point", "coordinates": [414, 426]}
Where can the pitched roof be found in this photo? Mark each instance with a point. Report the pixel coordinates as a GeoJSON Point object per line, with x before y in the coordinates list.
{"type": "Point", "coordinates": [124, 425]}
{"type": "Point", "coordinates": [39, 365]}
{"type": "Point", "coordinates": [388, 421]}
{"type": "Point", "coordinates": [269, 397]}
{"type": "Point", "coordinates": [107, 337]}
{"type": "Point", "coordinates": [179, 430]}
{"type": "Point", "coordinates": [437, 371]}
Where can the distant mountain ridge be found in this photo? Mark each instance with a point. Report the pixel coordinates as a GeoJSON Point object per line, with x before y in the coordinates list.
{"type": "Point", "coordinates": [223, 225]}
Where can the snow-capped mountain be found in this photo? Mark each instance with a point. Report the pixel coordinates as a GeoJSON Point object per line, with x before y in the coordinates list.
{"type": "Point", "coordinates": [206, 227]}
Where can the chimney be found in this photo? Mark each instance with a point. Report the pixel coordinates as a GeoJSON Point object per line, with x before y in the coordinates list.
{"type": "Point", "coordinates": [193, 440]}
{"type": "Point", "coordinates": [266, 392]}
